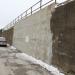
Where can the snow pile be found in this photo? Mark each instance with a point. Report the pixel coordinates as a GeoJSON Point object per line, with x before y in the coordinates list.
{"type": "Point", "coordinates": [12, 47]}
{"type": "Point", "coordinates": [31, 59]}
{"type": "Point", "coordinates": [8, 45]}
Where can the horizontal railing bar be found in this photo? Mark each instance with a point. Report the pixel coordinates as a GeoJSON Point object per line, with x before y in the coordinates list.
{"type": "Point", "coordinates": [36, 9]}
{"type": "Point", "coordinates": [28, 14]}
{"type": "Point", "coordinates": [47, 3]}
{"type": "Point", "coordinates": [28, 9]}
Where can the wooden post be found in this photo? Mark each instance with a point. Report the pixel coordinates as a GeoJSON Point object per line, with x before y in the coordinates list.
{"type": "Point", "coordinates": [15, 20]}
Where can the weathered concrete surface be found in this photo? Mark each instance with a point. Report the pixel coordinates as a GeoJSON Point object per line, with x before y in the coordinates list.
{"type": "Point", "coordinates": [33, 36]}
{"type": "Point", "coordinates": [8, 34]}
{"type": "Point", "coordinates": [10, 65]}
{"type": "Point", "coordinates": [63, 29]}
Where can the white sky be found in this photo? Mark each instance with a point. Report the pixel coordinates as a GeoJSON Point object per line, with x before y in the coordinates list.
{"type": "Point", "coordinates": [10, 9]}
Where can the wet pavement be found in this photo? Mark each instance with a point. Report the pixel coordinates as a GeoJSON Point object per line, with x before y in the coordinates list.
{"type": "Point", "coordinates": [11, 65]}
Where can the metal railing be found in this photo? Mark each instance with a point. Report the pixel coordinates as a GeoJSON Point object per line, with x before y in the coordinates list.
{"type": "Point", "coordinates": [30, 11]}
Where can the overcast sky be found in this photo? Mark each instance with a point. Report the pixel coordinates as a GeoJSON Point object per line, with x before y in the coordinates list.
{"type": "Point", "coordinates": [10, 9]}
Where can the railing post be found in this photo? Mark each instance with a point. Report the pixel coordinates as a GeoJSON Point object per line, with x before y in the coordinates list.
{"type": "Point", "coordinates": [21, 16]}
{"type": "Point", "coordinates": [26, 13]}
{"type": "Point", "coordinates": [15, 20]}
{"type": "Point", "coordinates": [31, 10]}
{"type": "Point", "coordinates": [40, 4]}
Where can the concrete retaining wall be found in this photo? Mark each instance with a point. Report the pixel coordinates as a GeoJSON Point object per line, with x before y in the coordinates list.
{"type": "Point", "coordinates": [33, 36]}
{"type": "Point", "coordinates": [49, 31]}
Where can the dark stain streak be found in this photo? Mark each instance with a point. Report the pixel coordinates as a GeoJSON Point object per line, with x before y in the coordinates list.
{"type": "Point", "coordinates": [63, 29]}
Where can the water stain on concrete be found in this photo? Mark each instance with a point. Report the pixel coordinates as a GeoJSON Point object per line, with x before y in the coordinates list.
{"type": "Point", "coordinates": [63, 29]}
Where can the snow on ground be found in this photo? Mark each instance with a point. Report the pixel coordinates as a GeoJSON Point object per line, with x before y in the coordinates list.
{"type": "Point", "coordinates": [31, 59]}
{"type": "Point", "coordinates": [24, 57]}
{"type": "Point", "coordinates": [10, 65]}
{"type": "Point", "coordinates": [12, 47]}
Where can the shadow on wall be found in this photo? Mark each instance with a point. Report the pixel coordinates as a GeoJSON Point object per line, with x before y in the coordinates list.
{"type": "Point", "coordinates": [0, 32]}
{"type": "Point", "coordinates": [63, 29]}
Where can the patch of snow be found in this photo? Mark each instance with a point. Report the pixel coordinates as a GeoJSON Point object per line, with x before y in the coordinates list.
{"type": "Point", "coordinates": [33, 60]}
{"type": "Point", "coordinates": [12, 47]}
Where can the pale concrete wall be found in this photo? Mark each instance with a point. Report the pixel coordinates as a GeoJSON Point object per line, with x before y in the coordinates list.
{"type": "Point", "coordinates": [33, 36]}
